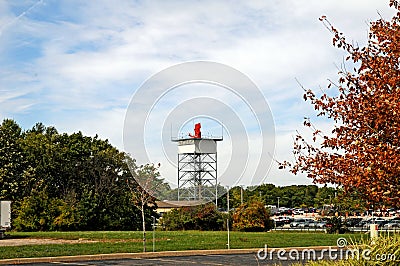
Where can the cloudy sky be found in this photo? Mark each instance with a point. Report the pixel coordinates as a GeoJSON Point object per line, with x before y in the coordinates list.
{"type": "Point", "coordinates": [77, 64]}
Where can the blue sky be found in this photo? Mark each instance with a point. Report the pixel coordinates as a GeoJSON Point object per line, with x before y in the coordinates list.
{"type": "Point", "coordinates": [76, 64]}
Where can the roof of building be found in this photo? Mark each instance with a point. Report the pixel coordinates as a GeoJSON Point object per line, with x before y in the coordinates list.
{"type": "Point", "coordinates": [177, 204]}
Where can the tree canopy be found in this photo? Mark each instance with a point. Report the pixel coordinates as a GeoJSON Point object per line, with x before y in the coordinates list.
{"type": "Point", "coordinates": [66, 181]}
{"type": "Point", "coordinates": [362, 152]}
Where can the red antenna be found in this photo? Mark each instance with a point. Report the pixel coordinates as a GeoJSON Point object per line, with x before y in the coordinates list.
{"type": "Point", "coordinates": [197, 132]}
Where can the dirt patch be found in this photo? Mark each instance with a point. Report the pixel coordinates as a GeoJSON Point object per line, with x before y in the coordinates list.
{"type": "Point", "coordinates": [47, 241]}
{"type": "Point", "coordinates": [40, 241]}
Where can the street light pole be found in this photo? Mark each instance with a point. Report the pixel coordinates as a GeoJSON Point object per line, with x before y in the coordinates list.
{"type": "Point", "coordinates": [154, 226]}
{"type": "Point", "coordinates": [227, 220]}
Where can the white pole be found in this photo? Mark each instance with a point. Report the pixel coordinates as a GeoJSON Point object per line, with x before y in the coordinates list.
{"type": "Point", "coordinates": [216, 181]}
{"type": "Point", "coordinates": [241, 194]}
{"type": "Point", "coordinates": [227, 220]}
{"type": "Point", "coordinates": [278, 203]}
{"type": "Point", "coordinates": [227, 226]}
{"type": "Point", "coordinates": [154, 226]}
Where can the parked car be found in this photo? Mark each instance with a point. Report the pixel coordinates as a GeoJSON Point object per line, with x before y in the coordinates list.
{"type": "Point", "coordinates": [352, 222]}
{"type": "Point", "coordinates": [391, 211]}
{"type": "Point", "coordinates": [311, 224]}
{"type": "Point", "coordinates": [302, 222]}
{"type": "Point", "coordinates": [395, 219]}
{"type": "Point", "coordinates": [288, 220]}
{"type": "Point", "coordinates": [298, 212]}
{"type": "Point", "coordinates": [362, 223]}
{"type": "Point", "coordinates": [321, 224]}
{"type": "Point", "coordinates": [379, 221]}
{"type": "Point", "coordinates": [282, 220]}
{"type": "Point", "coordinates": [296, 222]}
{"type": "Point", "coordinates": [392, 225]}
{"type": "Point", "coordinates": [279, 223]}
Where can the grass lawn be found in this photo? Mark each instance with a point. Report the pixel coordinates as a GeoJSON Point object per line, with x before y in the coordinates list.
{"type": "Point", "coordinates": [131, 241]}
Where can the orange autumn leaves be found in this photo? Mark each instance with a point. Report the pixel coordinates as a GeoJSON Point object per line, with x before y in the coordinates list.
{"type": "Point", "coordinates": [362, 153]}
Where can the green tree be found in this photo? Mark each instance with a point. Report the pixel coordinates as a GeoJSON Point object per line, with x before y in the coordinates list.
{"type": "Point", "coordinates": [36, 212]}
{"type": "Point", "coordinates": [82, 177]}
{"type": "Point", "coordinates": [144, 184]}
{"type": "Point", "coordinates": [38, 152]}
{"type": "Point", "coordinates": [235, 196]}
{"type": "Point", "coordinates": [347, 204]}
{"type": "Point", "coordinates": [269, 194]}
{"type": "Point", "coordinates": [324, 196]}
{"type": "Point", "coordinates": [11, 161]}
{"type": "Point", "coordinates": [181, 218]}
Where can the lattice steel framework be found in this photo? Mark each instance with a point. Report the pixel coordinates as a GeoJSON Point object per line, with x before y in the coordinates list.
{"type": "Point", "coordinates": [197, 166]}
{"type": "Point", "coordinates": [197, 176]}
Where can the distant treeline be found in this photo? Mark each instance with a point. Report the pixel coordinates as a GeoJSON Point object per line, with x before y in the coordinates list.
{"type": "Point", "coordinates": [295, 196]}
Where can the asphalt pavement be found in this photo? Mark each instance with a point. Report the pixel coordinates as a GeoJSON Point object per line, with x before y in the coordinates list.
{"type": "Point", "coordinates": [248, 259]}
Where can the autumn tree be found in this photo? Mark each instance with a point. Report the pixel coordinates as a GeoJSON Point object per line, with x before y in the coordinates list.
{"type": "Point", "coordinates": [251, 216]}
{"type": "Point", "coordinates": [362, 153]}
{"type": "Point", "coordinates": [208, 218]}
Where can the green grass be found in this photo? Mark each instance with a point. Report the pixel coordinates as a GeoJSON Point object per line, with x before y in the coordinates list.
{"type": "Point", "coordinates": [131, 241]}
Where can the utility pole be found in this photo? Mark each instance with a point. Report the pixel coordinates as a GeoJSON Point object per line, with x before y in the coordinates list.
{"type": "Point", "coordinates": [278, 203]}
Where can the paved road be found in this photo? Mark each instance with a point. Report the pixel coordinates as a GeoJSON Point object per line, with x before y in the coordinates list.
{"type": "Point", "coordinates": [228, 259]}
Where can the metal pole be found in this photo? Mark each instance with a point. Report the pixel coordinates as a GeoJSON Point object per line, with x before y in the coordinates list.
{"type": "Point", "coordinates": [227, 196]}
{"type": "Point", "coordinates": [227, 226]}
{"type": "Point", "coordinates": [200, 182]}
{"type": "Point", "coordinates": [216, 182]}
{"type": "Point", "coordinates": [278, 203]}
{"type": "Point", "coordinates": [241, 194]}
{"type": "Point", "coordinates": [179, 175]}
{"type": "Point", "coordinates": [227, 221]}
{"type": "Point", "coordinates": [154, 226]}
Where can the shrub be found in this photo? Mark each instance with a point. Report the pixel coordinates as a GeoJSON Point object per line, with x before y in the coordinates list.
{"type": "Point", "coordinates": [335, 225]}
{"type": "Point", "coordinates": [36, 212]}
{"type": "Point", "coordinates": [203, 217]}
{"type": "Point", "coordinates": [251, 216]}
